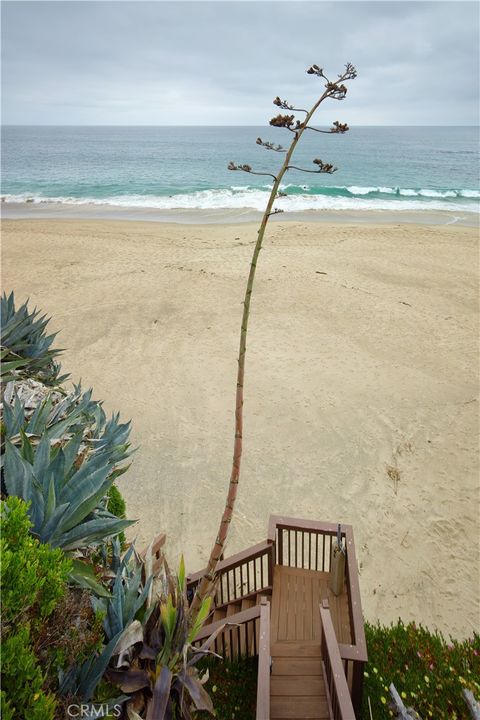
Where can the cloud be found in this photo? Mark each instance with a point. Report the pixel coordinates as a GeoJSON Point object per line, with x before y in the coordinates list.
{"type": "Point", "coordinates": [223, 62]}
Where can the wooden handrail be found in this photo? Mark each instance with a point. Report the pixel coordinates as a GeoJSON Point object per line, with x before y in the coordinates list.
{"type": "Point", "coordinates": [291, 523]}
{"type": "Point", "coordinates": [355, 602]}
{"type": "Point", "coordinates": [237, 619]}
{"type": "Point", "coordinates": [263, 684]}
{"type": "Point", "coordinates": [234, 561]}
{"type": "Point", "coordinates": [336, 685]}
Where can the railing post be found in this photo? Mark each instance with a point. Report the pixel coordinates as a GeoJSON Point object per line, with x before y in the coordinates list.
{"type": "Point", "coordinates": [263, 684]}
{"type": "Point", "coordinates": [357, 687]}
{"type": "Point", "coordinates": [271, 563]}
{"type": "Point", "coordinates": [280, 545]}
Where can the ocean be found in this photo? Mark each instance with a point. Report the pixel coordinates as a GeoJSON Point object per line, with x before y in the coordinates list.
{"type": "Point", "coordinates": [379, 168]}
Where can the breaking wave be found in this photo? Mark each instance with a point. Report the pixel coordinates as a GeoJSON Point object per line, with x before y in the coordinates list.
{"type": "Point", "coordinates": [298, 198]}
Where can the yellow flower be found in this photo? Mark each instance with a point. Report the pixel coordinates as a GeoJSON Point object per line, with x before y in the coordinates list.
{"type": "Point", "coordinates": [365, 674]}
{"type": "Point", "coordinates": [384, 700]}
{"type": "Point", "coordinates": [404, 695]}
{"type": "Point", "coordinates": [375, 671]}
{"type": "Point", "coordinates": [425, 677]}
{"type": "Point", "coordinates": [36, 696]}
{"type": "Point", "coordinates": [214, 688]}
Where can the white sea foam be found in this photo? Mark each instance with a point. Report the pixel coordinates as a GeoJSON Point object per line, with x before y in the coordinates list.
{"type": "Point", "coordinates": [238, 197]}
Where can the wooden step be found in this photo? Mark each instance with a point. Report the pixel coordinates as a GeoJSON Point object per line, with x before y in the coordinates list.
{"type": "Point", "coordinates": [295, 649]}
{"type": "Point", "coordinates": [302, 685]}
{"type": "Point", "coordinates": [298, 707]}
{"type": "Point", "coordinates": [294, 666]}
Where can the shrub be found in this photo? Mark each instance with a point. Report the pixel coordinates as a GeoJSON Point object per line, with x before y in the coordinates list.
{"type": "Point", "coordinates": [428, 672]}
{"type": "Point", "coordinates": [116, 506]}
{"type": "Point", "coordinates": [34, 580]}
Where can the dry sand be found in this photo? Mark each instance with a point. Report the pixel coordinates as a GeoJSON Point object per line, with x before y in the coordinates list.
{"type": "Point", "coordinates": [361, 387]}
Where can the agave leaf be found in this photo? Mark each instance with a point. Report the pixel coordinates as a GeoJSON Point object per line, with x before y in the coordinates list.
{"type": "Point", "coordinates": [190, 681]}
{"type": "Point", "coordinates": [131, 594]}
{"type": "Point", "coordinates": [94, 469]}
{"type": "Point", "coordinates": [86, 500]}
{"type": "Point", "coordinates": [57, 471]}
{"type": "Point", "coordinates": [49, 529]}
{"type": "Point", "coordinates": [41, 461]}
{"type": "Point", "coordinates": [9, 365]}
{"type": "Point", "coordinates": [70, 450]}
{"type": "Point", "coordinates": [130, 680]}
{"type": "Point", "coordinates": [161, 695]}
{"type": "Point", "coordinates": [96, 670]}
{"type": "Point", "coordinates": [26, 448]}
{"type": "Point", "coordinates": [51, 500]}
{"type": "Point", "coordinates": [204, 648]}
{"type": "Point", "coordinates": [18, 473]}
{"type": "Point", "coordinates": [14, 417]}
{"type": "Point", "coordinates": [38, 421]}
{"type": "Point", "coordinates": [181, 575]}
{"type": "Point", "coordinates": [144, 595]}
{"type": "Point", "coordinates": [200, 619]}
{"type": "Point", "coordinates": [131, 635]}
{"type": "Point", "coordinates": [91, 532]}
{"type": "Point", "coordinates": [83, 575]}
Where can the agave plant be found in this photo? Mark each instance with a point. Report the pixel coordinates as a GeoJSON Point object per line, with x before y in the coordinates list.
{"type": "Point", "coordinates": [154, 661]}
{"type": "Point", "coordinates": [130, 597]}
{"type": "Point", "coordinates": [66, 496]}
{"type": "Point", "coordinates": [26, 348]}
{"type": "Point", "coordinates": [60, 416]}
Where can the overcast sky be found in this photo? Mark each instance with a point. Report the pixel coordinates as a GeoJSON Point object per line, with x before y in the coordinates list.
{"type": "Point", "coordinates": [221, 63]}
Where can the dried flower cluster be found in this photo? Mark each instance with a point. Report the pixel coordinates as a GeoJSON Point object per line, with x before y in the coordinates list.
{"type": "Point", "coordinates": [335, 88]}
{"type": "Point", "coordinates": [315, 70]}
{"type": "Point", "coordinates": [286, 121]}
{"type": "Point", "coordinates": [282, 104]}
{"type": "Point", "coordinates": [234, 166]}
{"type": "Point", "coordinates": [324, 167]}
{"type": "Point", "coordinates": [339, 127]}
{"type": "Point", "coordinates": [270, 145]}
{"type": "Point", "coordinates": [336, 91]}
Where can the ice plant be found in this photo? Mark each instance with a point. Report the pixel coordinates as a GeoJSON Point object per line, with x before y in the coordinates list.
{"type": "Point", "coordinates": [336, 90]}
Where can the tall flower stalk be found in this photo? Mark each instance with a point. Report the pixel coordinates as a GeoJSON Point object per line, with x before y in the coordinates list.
{"type": "Point", "coordinates": [335, 90]}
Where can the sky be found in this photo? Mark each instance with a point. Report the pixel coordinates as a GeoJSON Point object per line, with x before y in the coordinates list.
{"type": "Point", "coordinates": [222, 63]}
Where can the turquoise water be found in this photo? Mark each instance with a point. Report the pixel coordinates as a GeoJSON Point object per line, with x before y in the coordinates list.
{"type": "Point", "coordinates": [405, 168]}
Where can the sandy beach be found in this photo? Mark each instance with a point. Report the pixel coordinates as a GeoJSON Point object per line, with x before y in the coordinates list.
{"type": "Point", "coordinates": [361, 385]}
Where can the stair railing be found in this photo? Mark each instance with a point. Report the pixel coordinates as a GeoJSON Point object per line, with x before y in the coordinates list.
{"type": "Point", "coordinates": [264, 662]}
{"type": "Point", "coordinates": [241, 576]}
{"type": "Point", "coordinates": [336, 685]}
{"type": "Point", "coordinates": [234, 636]}
{"type": "Point", "coordinates": [308, 544]}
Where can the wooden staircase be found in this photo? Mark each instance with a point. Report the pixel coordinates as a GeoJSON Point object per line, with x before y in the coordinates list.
{"type": "Point", "coordinates": [274, 601]}
{"type": "Point", "coordinates": [297, 686]}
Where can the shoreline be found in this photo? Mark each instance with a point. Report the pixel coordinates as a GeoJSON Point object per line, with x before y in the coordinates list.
{"type": "Point", "coordinates": [361, 385]}
{"type": "Point", "coordinates": [224, 216]}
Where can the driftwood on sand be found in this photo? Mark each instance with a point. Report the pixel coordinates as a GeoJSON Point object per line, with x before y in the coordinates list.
{"type": "Point", "coordinates": [403, 713]}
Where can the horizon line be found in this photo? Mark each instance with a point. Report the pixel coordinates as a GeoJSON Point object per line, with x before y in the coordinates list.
{"type": "Point", "coordinates": [145, 125]}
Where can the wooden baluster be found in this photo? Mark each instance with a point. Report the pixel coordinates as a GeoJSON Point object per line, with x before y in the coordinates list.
{"type": "Point", "coordinates": [280, 546]}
